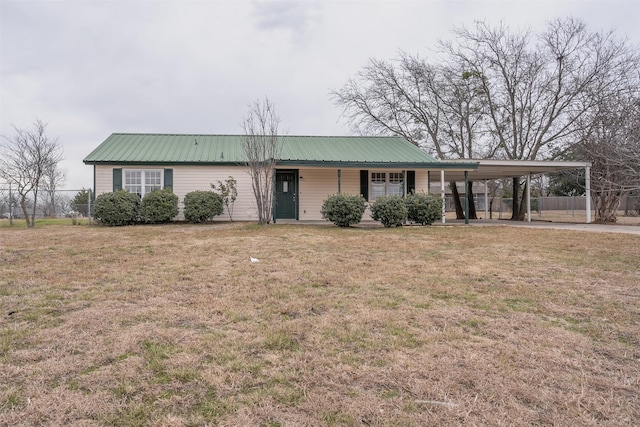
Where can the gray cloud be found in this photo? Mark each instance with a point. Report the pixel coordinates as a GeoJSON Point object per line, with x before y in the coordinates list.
{"type": "Point", "coordinates": [95, 67]}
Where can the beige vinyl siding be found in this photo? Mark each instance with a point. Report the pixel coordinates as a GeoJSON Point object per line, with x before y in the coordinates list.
{"type": "Point", "coordinates": [422, 180]}
{"type": "Point", "coordinates": [315, 184]}
{"type": "Point", "coordinates": [192, 178]}
{"type": "Point", "coordinates": [104, 179]}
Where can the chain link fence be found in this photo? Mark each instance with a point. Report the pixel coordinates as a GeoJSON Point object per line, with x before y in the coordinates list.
{"type": "Point", "coordinates": [553, 208]}
{"type": "Point", "coordinates": [73, 205]}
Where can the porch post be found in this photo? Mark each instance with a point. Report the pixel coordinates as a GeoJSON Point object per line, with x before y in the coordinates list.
{"type": "Point", "coordinates": [444, 200]}
{"type": "Point", "coordinates": [486, 200]}
{"type": "Point", "coordinates": [587, 183]}
{"type": "Point", "coordinates": [528, 197]}
{"type": "Point", "coordinates": [339, 175]}
{"type": "Point", "coordinates": [466, 197]}
{"type": "Point", "coordinates": [273, 195]}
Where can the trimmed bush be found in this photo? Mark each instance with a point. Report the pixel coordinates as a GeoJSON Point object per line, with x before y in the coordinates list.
{"type": "Point", "coordinates": [389, 210]}
{"type": "Point", "coordinates": [117, 208]}
{"type": "Point", "coordinates": [424, 209]}
{"type": "Point", "coordinates": [201, 206]}
{"type": "Point", "coordinates": [159, 206]}
{"type": "Point", "coordinates": [344, 210]}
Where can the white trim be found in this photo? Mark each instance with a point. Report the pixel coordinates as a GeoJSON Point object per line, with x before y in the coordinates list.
{"type": "Point", "coordinates": [143, 180]}
{"type": "Point", "coordinates": [387, 183]}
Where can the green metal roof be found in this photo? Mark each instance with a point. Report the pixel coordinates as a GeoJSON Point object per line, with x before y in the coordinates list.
{"type": "Point", "coordinates": [357, 151]}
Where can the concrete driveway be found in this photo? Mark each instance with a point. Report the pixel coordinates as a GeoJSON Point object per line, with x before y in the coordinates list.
{"type": "Point", "coordinates": [598, 228]}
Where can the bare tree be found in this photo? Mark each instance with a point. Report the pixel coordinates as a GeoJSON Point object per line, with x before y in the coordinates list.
{"type": "Point", "coordinates": [52, 181]}
{"type": "Point", "coordinates": [612, 144]}
{"type": "Point", "coordinates": [262, 148]}
{"type": "Point", "coordinates": [537, 93]}
{"type": "Point", "coordinates": [26, 158]}
{"type": "Point", "coordinates": [435, 107]}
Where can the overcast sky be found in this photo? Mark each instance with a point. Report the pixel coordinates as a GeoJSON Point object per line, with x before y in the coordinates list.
{"type": "Point", "coordinates": [90, 68]}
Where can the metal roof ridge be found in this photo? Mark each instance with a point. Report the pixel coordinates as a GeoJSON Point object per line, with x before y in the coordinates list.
{"type": "Point", "coordinates": [279, 136]}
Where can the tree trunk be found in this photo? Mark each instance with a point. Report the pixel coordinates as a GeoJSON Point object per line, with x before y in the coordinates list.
{"type": "Point", "coordinates": [472, 203]}
{"type": "Point", "coordinates": [458, 203]}
{"type": "Point", "coordinates": [607, 204]}
{"type": "Point", "coordinates": [522, 212]}
{"type": "Point", "coordinates": [515, 205]}
{"type": "Point", "coordinates": [456, 200]}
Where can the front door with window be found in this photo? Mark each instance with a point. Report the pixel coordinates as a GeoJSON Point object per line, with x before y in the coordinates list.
{"type": "Point", "coordinates": [286, 195]}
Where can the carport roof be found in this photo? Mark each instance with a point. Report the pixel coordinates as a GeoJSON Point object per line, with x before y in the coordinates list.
{"type": "Point", "coordinates": [499, 169]}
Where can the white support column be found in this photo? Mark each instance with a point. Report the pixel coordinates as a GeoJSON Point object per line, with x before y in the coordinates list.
{"type": "Point", "coordinates": [444, 200]}
{"type": "Point", "coordinates": [528, 197]}
{"type": "Point", "coordinates": [587, 184]}
{"type": "Point", "coordinates": [486, 200]}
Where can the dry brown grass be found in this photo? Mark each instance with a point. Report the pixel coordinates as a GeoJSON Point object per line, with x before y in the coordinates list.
{"type": "Point", "coordinates": [173, 326]}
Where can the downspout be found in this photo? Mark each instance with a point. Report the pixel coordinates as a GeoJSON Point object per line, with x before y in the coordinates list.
{"type": "Point", "coordinates": [339, 175]}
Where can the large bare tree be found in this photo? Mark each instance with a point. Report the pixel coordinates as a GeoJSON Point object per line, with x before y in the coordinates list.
{"type": "Point", "coordinates": [262, 146]}
{"type": "Point", "coordinates": [538, 87]}
{"type": "Point", "coordinates": [502, 94]}
{"type": "Point", "coordinates": [436, 107]}
{"type": "Point", "coordinates": [25, 160]}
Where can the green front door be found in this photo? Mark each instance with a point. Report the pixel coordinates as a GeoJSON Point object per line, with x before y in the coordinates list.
{"type": "Point", "coordinates": [286, 195]}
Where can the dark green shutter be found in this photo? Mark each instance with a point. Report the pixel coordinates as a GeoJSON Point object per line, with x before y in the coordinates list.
{"type": "Point", "coordinates": [364, 184]}
{"type": "Point", "coordinates": [411, 182]}
{"type": "Point", "coordinates": [117, 179]}
{"type": "Point", "coordinates": [168, 179]}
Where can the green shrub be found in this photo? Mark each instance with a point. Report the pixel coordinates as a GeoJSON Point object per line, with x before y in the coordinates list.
{"type": "Point", "coordinates": [159, 206]}
{"type": "Point", "coordinates": [344, 210]}
{"type": "Point", "coordinates": [389, 210]}
{"type": "Point", "coordinates": [117, 208]}
{"type": "Point", "coordinates": [423, 208]}
{"type": "Point", "coordinates": [201, 206]}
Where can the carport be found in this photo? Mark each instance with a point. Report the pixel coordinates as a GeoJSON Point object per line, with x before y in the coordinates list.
{"type": "Point", "coordinates": [501, 169]}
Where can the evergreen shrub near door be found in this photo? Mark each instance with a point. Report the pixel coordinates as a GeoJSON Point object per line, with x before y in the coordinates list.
{"type": "Point", "coordinates": [117, 208]}
{"type": "Point", "coordinates": [389, 210]}
{"type": "Point", "coordinates": [344, 210]}
{"type": "Point", "coordinates": [424, 209]}
{"type": "Point", "coordinates": [201, 206]}
{"type": "Point", "coordinates": [159, 206]}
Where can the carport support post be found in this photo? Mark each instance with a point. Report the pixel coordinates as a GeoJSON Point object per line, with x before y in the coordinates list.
{"type": "Point", "coordinates": [466, 197]}
{"type": "Point", "coordinates": [339, 174]}
{"type": "Point", "coordinates": [587, 184]}
{"type": "Point", "coordinates": [528, 197]}
{"type": "Point", "coordinates": [444, 200]}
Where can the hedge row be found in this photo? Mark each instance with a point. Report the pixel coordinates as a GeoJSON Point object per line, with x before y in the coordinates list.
{"type": "Point", "coordinates": [346, 210]}
{"type": "Point", "coordinates": [159, 206]}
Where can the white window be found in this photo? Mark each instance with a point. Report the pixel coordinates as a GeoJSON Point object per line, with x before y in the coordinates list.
{"type": "Point", "coordinates": [378, 184]}
{"type": "Point", "coordinates": [386, 184]}
{"type": "Point", "coordinates": [395, 184]}
{"type": "Point", "coordinates": [142, 181]}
